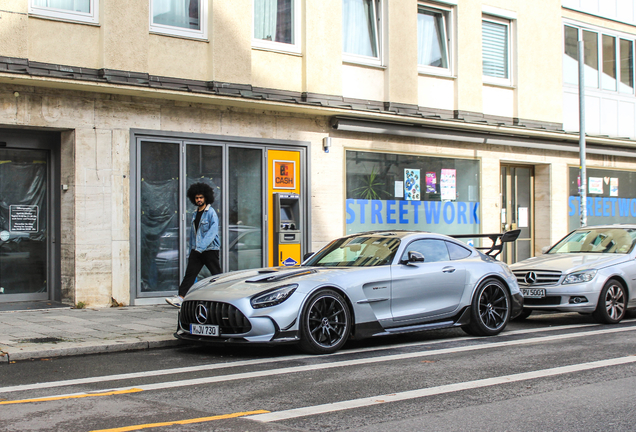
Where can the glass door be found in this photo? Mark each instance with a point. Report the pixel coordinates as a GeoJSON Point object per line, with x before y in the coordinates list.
{"type": "Point", "coordinates": [517, 210]}
{"type": "Point", "coordinates": [24, 234]}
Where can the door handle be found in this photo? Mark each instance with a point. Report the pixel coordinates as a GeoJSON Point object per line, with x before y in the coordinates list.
{"type": "Point", "coordinates": [448, 269]}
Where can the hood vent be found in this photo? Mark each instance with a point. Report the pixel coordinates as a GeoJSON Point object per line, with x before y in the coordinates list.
{"type": "Point", "coordinates": [276, 276]}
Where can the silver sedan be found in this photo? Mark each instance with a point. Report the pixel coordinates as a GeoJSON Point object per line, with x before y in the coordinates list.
{"type": "Point", "coordinates": [591, 270]}
{"type": "Point", "coordinates": [362, 285]}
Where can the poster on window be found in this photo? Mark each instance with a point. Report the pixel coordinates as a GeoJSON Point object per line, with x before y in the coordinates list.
{"type": "Point", "coordinates": [448, 184]}
{"type": "Point", "coordinates": [412, 184]}
{"type": "Point", "coordinates": [614, 187]}
{"type": "Point", "coordinates": [23, 218]}
{"type": "Point", "coordinates": [431, 182]}
{"type": "Point", "coordinates": [595, 185]}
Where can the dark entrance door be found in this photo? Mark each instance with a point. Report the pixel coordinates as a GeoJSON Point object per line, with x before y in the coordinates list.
{"type": "Point", "coordinates": [27, 252]}
{"type": "Point", "coordinates": [517, 210]}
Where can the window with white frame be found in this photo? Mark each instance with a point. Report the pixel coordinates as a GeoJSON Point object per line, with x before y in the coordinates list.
{"type": "Point", "coordinates": [608, 59]}
{"type": "Point", "coordinates": [433, 42]}
{"type": "Point", "coordinates": [361, 31]}
{"type": "Point", "coordinates": [496, 50]}
{"type": "Point", "coordinates": [183, 18]}
{"type": "Point", "coordinates": [67, 10]}
{"type": "Point", "coordinates": [276, 24]}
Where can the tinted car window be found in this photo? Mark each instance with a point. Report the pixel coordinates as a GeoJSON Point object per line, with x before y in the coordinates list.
{"type": "Point", "coordinates": [433, 250]}
{"type": "Point", "coordinates": [457, 252]}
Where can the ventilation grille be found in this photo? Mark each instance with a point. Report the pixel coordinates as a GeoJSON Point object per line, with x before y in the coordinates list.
{"type": "Point", "coordinates": [229, 319]}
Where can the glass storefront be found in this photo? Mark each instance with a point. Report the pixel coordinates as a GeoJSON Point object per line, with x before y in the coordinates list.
{"type": "Point", "coordinates": [24, 224]}
{"type": "Point", "coordinates": [611, 197]}
{"type": "Point", "coordinates": [398, 191]}
{"type": "Point", "coordinates": [165, 170]}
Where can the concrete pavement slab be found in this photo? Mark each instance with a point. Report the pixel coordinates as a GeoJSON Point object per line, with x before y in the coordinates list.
{"type": "Point", "coordinates": [31, 334]}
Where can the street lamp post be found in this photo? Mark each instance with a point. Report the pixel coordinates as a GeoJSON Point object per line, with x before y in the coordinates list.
{"type": "Point", "coordinates": [582, 172]}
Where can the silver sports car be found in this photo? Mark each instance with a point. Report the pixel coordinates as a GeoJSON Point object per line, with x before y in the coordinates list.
{"type": "Point", "coordinates": [362, 285]}
{"type": "Point", "coordinates": [591, 270]}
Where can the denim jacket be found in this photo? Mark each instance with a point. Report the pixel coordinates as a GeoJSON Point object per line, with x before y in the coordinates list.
{"type": "Point", "coordinates": [207, 236]}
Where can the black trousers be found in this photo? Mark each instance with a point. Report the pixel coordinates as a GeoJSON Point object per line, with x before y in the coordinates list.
{"type": "Point", "coordinates": [196, 261]}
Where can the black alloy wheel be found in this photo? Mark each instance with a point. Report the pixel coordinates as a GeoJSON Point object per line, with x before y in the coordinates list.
{"type": "Point", "coordinates": [326, 323]}
{"type": "Point", "coordinates": [489, 310]}
{"type": "Point", "coordinates": [612, 303]}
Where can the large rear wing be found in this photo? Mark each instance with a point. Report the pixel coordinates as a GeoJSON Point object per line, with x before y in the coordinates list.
{"type": "Point", "coordinates": [498, 240]}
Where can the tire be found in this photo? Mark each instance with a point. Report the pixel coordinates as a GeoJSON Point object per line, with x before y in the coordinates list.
{"type": "Point", "coordinates": [325, 323]}
{"type": "Point", "coordinates": [525, 313]}
{"type": "Point", "coordinates": [612, 303]}
{"type": "Point", "coordinates": [489, 310]}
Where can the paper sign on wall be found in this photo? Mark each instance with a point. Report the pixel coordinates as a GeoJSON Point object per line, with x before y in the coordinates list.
{"type": "Point", "coordinates": [412, 184]}
{"type": "Point", "coordinates": [448, 184]}
{"type": "Point", "coordinates": [431, 182]}
{"type": "Point", "coordinates": [595, 185]}
{"type": "Point", "coordinates": [613, 187]}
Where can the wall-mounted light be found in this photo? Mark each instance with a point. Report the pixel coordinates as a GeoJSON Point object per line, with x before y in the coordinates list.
{"type": "Point", "coordinates": [326, 143]}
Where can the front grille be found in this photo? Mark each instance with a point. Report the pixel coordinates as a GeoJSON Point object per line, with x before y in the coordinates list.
{"type": "Point", "coordinates": [229, 319]}
{"type": "Point", "coordinates": [545, 301]}
{"type": "Point", "coordinates": [544, 277]}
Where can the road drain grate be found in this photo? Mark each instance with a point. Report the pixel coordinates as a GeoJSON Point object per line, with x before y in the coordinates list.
{"type": "Point", "coordinates": [42, 340]}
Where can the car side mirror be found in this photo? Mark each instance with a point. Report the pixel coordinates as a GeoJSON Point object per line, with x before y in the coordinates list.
{"type": "Point", "coordinates": [413, 257]}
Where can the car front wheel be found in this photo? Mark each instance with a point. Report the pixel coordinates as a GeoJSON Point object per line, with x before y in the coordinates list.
{"type": "Point", "coordinates": [611, 303]}
{"type": "Point", "coordinates": [326, 323]}
{"type": "Point", "coordinates": [489, 310]}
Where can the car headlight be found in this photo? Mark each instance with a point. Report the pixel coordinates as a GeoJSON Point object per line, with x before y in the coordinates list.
{"type": "Point", "coordinates": [580, 277]}
{"type": "Point", "coordinates": [273, 297]}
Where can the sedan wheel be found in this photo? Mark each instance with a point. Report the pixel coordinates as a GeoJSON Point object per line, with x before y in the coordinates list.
{"type": "Point", "coordinates": [326, 323]}
{"type": "Point", "coordinates": [611, 303]}
{"type": "Point", "coordinates": [490, 309]}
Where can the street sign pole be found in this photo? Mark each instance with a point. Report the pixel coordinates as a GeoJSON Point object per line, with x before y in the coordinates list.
{"type": "Point", "coordinates": [582, 172]}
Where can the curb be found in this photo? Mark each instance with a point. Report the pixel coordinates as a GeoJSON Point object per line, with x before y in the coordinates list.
{"type": "Point", "coordinates": [7, 357]}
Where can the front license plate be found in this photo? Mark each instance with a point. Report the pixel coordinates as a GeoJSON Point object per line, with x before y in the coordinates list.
{"type": "Point", "coordinates": [532, 293]}
{"type": "Point", "coordinates": [204, 330]}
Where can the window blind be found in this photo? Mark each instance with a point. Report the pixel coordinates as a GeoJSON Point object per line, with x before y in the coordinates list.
{"type": "Point", "coordinates": [495, 49]}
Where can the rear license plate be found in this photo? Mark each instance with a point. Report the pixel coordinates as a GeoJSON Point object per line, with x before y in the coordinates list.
{"type": "Point", "coordinates": [204, 330]}
{"type": "Point", "coordinates": [532, 293]}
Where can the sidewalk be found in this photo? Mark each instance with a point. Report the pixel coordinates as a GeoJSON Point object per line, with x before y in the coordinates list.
{"type": "Point", "coordinates": [31, 334]}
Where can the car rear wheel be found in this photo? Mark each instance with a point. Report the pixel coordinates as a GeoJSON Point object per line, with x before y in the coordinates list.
{"type": "Point", "coordinates": [611, 303]}
{"type": "Point", "coordinates": [326, 323]}
{"type": "Point", "coordinates": [489, 310]}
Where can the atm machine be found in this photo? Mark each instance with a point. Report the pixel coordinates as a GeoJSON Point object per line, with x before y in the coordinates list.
{"type": "Point", "coordinates": [287, 229]}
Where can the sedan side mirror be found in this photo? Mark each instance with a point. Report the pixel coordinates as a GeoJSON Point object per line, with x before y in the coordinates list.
{"type": "Point", "coordinates": [414, 257]}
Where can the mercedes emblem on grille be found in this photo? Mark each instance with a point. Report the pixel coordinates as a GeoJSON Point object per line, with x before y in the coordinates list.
{"type": "Point", "coordinates": [531, 277]}
{"type": "Point", "coordinates": [201, 314]}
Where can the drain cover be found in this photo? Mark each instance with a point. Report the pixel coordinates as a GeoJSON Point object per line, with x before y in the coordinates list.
{"type": "Point", "coordinates": [43, 340]}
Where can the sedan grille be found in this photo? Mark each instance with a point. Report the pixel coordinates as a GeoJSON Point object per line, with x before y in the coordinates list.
{"type": "Point", "coordinates": [229, 319]}
{"type": "Point", "coordinates": [537, 277]}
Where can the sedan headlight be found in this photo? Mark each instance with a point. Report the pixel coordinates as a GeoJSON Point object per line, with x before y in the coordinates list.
{"type": "Point", "coordinates": [273, 297]}
{"type": "Point", "coordinates": [580, 277]}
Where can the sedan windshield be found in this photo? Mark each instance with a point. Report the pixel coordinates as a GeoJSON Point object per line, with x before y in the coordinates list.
{"type": "Point", "coordinates": [364, 251]}
{"type": "Point", "coordinates": [597, 240]}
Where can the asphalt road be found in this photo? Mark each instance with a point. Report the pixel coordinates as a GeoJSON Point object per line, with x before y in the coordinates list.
{"type": "Point", "coordinates": [551, 372]}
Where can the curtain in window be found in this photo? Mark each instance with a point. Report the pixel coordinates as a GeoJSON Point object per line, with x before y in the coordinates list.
{"type": "Point", "coordinates": [359, 28]}
{"type": "Point", "coordinates": [273, 20]}
{"type": "Point", "coordinates": [176, 13]}
{"type": "Point", "coordinates": [69, 5]}
{"type": "Point", "coordinates": [431, 38]}
{"type": "Point", "coordinates": [495, 49]}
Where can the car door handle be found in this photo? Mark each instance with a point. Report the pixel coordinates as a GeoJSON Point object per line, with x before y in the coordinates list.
{"type": "Point", "coordinates": [448, 269]}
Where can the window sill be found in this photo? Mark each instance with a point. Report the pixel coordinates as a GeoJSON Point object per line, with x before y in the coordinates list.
{"type": "Point", "coordinates": [503, 85]}
{"type": "Point", "coordinates": [433, 74]}
{"type": "Point", "coordinates": [178, 36]}
{"type": "Point", "coordinates": [69, 20]}
{"type": "Point", "coordinates": [361, 64]}
{"type": "Point", "coordinates": [275, 49]}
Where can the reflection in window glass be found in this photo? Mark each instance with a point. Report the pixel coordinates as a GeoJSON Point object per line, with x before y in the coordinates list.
{"type": "Point", "coordinates": [431, 39]}
{"type": "Point", "coordinates": [495, 49]}
{"type": "Point", "coordinates": [359, 27]}
{"type": "Point", "coordinates": [177, 13]}
{"type": "Point", "coordinates": [83, 6]}
{"type": "Point", "coordinates": [159, 237]}
{"type": "Point", "coordinates": [273, 20]}
{"type": "Point", "coordinates": [590, 58]}
{"type": "Point", "coordinates": [627, 66]}
{"type": "Point", "coordinates": [571, 56]}
{"type": "Point", "coordinates": [609, 63]}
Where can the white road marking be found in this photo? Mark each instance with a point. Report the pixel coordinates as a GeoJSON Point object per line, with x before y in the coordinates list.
{"type": "Point", "coordinates": [261, 362]}
{"type": "Point", "coordinates": [448, 388]}
{"type": "Point", "coordinates": [357, 362]}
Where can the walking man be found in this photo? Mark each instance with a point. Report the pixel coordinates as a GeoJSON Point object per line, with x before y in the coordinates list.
{"type": "Point", "coordinates": [204, 240]}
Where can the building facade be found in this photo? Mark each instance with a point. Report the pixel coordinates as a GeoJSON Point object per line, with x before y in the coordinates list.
{"type": "Point", "coordinates": [310, 118]}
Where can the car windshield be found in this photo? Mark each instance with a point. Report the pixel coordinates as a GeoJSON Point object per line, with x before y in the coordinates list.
{"type": "Point", "coordinates": [363, 251]}
{"type": "Point", "coordinates": [597, 240]}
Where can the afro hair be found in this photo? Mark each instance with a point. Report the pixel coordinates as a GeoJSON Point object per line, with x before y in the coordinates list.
{"type": "Point", "coordinates": [201, 189]}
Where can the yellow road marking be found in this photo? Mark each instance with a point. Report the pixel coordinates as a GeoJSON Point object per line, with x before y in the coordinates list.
{"type": "Point", "coordinates": [181, 422]}
{"type": "Point", "coordinates": [54, 398]}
